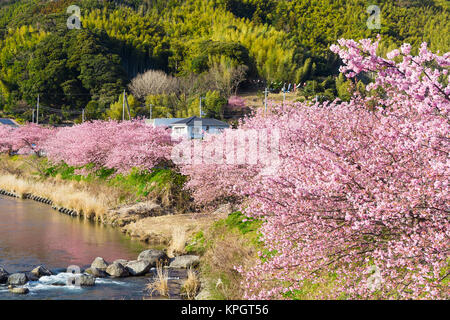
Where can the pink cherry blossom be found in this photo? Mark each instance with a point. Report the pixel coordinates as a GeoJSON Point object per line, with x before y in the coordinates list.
{"type": "Point", "coordinates": [361, 183]}
{"type": "Point", "coordinates": [25, 139]}
{"type": "Point", "coordinates": [111, 144]}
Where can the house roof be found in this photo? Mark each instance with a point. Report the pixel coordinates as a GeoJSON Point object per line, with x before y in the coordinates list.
{"type": "Point", "coordinates": [162, 121]}
{"type": "Point", "coordinates": [205, 122]}
{"type": "Point", "coordinates": [8, 122]}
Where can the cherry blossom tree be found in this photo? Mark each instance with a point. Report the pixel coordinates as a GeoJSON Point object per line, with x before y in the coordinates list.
{"type": "Point", "coordinates": [111, 144]}
{"type": "Point", "coordinates": [5, 141]}
{"type": "Point", "coordinates": [236, 102]}
{"type": "Point", "coordinates": [25, 139]}
{"type": "Point", "coordinates": [362, 189]}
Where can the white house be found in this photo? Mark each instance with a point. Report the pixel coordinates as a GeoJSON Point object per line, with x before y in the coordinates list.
{"type": "Point", "coordinates": [194, 127]}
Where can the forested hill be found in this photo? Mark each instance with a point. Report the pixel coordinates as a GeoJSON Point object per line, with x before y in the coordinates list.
{"type": "Point", "coordinates": [276, 40]}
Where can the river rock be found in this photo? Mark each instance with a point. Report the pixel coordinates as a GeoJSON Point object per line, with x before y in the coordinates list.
{"type": "Point", "coordinates": [3, 275]}
{"type": "Point", "coordinates": [185, 262]}
{"type": "Point", "coordinates": [117, 270]}
{"type": "Point", "coordinates": [138, 267]}
{"type": "Point", "coordinates": [153, 256]}
{"type": "Point", "coordinates": [18, 290]}
{"type": "Point", "coordinates": [87, 280]}
{"type": "Point", "coordinates": [99, 263]}
{"type": "Point", "coordinates": [41, 271]}
{"type": "Point", "coordinates": [17, 279]}
{"type": "Point", "coordinates": [31, 276]}
{"type": "Point", "coordinates": [96, 272]}
{"type": "Point", "coordinates": [121, 261]}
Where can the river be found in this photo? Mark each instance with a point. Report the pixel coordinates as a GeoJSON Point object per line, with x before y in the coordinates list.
{"type": "Point", "coordinates": [33, 234]}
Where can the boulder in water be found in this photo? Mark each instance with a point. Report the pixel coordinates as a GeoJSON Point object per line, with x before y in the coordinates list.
{"type": "Point", "coordinates": [117, 270]}
{"type": "Point", "coordinates": [41, 271]}
{"type": "Point", "coordinates": [87, 280]}
{"type": "Point", "coordinates": [17, 279]}
{"type": "Point", "coordinates": [121, 261]}
{"type": "Point", "coordinates": [31, 276]}
{"type": "Point", "coordinates": [3, 275]}
{"type": "Point", "coordinates": [153, 256]}
{"type": "Point", "coordinates": [96, 272]}
{"type": "Point", "coordinates": [99, 263]}
{"type": "Point", "coordinates": [18, 290]}
{"type": "Point", "coordinates": [185, 262]}
{"type": "Point", "coordinates": [138, 267]}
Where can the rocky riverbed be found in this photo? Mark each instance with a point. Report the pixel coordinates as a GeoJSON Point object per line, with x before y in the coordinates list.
{"type": "Point", "coordinates": [23, 283]}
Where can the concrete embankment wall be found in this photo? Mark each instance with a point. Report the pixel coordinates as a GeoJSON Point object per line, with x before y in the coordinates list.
{"type": "Point", "coordinates": [40, 199]}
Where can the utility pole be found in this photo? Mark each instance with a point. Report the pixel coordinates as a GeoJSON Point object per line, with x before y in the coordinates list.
{"type": "Point", "coordinates": [123, 106]}
{"type": "Point", "coordinates": [265, 99]}
{"type": "Point", "coordinates": [82, 116]}
{"type": "Point", "coordinates": [37, 113]}
{"type": "Point", "coordinates": [201, 112]}
{"type": "Point", "coordinates": [151, 110]}
{"type": "Point", "coordinates": [128, 107]}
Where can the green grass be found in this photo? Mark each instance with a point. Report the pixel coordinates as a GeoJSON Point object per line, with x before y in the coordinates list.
{"type": "Point", "coordinates": [236, 223]}
{"type": "Point", "coordinates": [165, 184]}
{"type": "Point", "coordinates": [228, 243]}
{"type": "Point", "coordinates": [64, 171]}
{"type": "Point", "coordinates": [197, 244]}
{"type": "Point", "coordinates": [242, 223]}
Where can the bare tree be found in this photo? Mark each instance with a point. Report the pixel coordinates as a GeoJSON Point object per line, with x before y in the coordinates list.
{"type": "Point", "coordinates": [153, 82]}
{"type": "Point", "coordinates": [227, 79]}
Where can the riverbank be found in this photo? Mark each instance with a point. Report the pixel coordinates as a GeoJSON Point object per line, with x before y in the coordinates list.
{"type": "Point", "coordinates": [149, 217]}
{"type": "Point", "coordinates": [146, 221]}
{"type": "Point", "coordinates": [153, 215]}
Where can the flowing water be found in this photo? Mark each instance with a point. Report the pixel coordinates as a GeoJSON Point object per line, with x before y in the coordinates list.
{"type": "Point", "coordinates": [33, 234]}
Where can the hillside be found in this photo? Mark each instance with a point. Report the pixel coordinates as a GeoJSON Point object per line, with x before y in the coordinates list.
{"type": "Point", "coordinates": [201, 43]}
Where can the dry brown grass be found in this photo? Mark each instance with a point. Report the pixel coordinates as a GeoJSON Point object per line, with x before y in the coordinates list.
{"type": "Point", "coordinates": [177, 242]}
{"type": "Point", "coordinates": [160, 282]}
{"type": "Point", "coordinates": [13, 184]}
{"type": "Point", "coordinates": [72, 195]}
{"type": "Point", "coordinates": [192, 284]}
{"type": "Point", "coordinates": [159, 230]}
{"type": "Point", "coordinates": [23, 175]}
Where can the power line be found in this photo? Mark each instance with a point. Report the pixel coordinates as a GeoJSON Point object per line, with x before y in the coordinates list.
{"type": "Point", "coordinates": [49, 109]}
{"type": "Point", "coordinates": [61, 111]}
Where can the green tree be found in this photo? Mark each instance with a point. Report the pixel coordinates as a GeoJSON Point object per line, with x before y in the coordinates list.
{"type": "Point", "coordinates": [93, 111]}
{"type": "Point", "coordinates": [115, 111]}
{"type": "Point", "coordinates": [213, 105]}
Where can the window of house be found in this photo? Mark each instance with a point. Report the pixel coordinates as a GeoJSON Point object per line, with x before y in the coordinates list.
{"type": "Point", "coordinates": [178, 130]}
